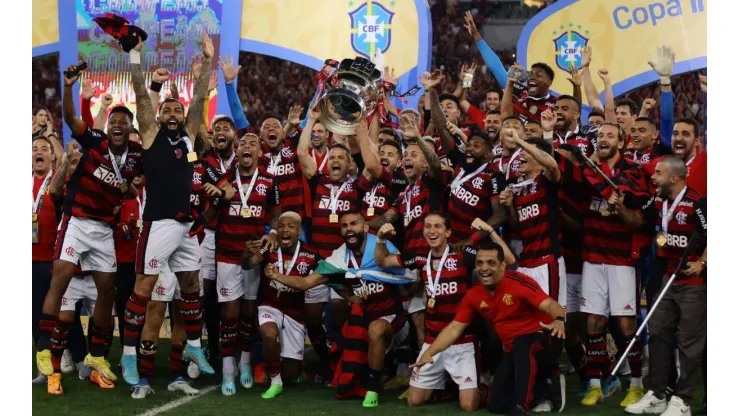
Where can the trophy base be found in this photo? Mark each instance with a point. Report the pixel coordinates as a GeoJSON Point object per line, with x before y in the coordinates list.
{"type": "Point", "coordinates": [333, 123]}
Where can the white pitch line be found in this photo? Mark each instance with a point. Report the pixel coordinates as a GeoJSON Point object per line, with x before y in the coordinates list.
{"type": "Point", "coordinates": [179, 402]}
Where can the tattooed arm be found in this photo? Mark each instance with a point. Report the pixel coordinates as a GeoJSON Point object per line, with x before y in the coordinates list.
{"type": "Point", "coordinates": [439, 120]}
{"type": "Point", "coordinates": [389, 217]}
{"type": "Point", "coordinates": [145, 117]}
{"type": "Point", "coordinates": [195, 112]}
{"type": "Point", "coordinates": [435, 167]}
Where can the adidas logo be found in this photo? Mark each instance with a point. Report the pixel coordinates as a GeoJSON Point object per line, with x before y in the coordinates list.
{"type": "Point", "coordinates": [483, 305]}
{"type": "Point", "coordinates": [468, 379]}
{"type": "Point", "coordinates": [628, 308]}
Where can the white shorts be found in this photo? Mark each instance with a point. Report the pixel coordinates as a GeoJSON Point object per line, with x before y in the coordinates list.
{"type": "Point", "coordinates": [87, 242]}
{"type": "Point", "coordinates": [233, 282]}
{"type": "Point", "coordinates": [208, 257]}
{"type": "Point", "coordinates": [167, 287]}
{"type": "Point", "coordinates": [607, 289]}
{"type": "Point", "coordinates": [292, 333]}
{"type": "Point", "coordinates": [544, 276]}
{"type": "Point", "coordinates": [458, 360]}
{"type": "Point", "coordinates": [321, 294]}
{"type": "Point", "coordinates": [574, 292]}
{"type": "Point", "coordinates": [167, 241]}
{"type": "Point", "coordinates": [80, 289]}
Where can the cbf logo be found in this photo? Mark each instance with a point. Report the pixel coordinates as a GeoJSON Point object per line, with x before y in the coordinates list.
{"type": "Point", "coordinates": [568, 46]}
{"type": "Point", "coordinates": [371, 28]}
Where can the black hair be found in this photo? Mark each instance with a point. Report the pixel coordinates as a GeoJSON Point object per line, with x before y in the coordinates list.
{"type": "Point", "coordinates": [394, 144]}
{"type": "Point", "coordinates": [546, 68]}
{"type": "Point", "coordinates": [648, 120]}
{"type": "Point", "coordinates": [533, 122]}
{"type": "Point", "coordinates": [122, 109]}
{"type": "Point", "coordinates": [496, 90]}
{"type": "Point", "coordinates": [343, 147]}
{"type": "Point", "coordinates": [488, 245]}
{"type": "Point", "coordinates": [541, 144]}
{"type": "Point", "coordinates": [476, 131]}
{"type": "Point", "coordinates": [512, 117]}
{"type": "Point", "coordinates": [440, 214]}
{"type": "Point", "coordinates": [493, 112]}
{"type": "Point", "coordinates": [135, 130]}
{"type": "Point", "coordinates": [689, 121]}
{"type": "Point", "coordinates": [46, 139]}
{"type": "Point", "coordinates": [269, 116]}
{"type": "Point", "coordinates": [570, 97]}
{"type": "Point", "coordinates": [450, 97]}
{"type": "Point", "coordinates": [596, 113]}
{"type": "Point", "coordinates": [352, 212]}
{"type": "Point", "coordinates": [226, 119]}
{"type": "Point", "coordinates": [629, 103]}
{"type": "Point", "coordinates": [41, 107]}
{"type": "Point", "coordinates": [389, 131]}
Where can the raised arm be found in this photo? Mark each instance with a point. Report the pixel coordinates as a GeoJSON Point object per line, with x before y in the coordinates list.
{"type": "Point", "coordinates": [56, 187]}
{"type": "Point", "coordinates": [592, 95]}
{"type": "Point", "coordinates": [105, 101]}
{"type": "Point", "coordinates": [552, 170]}
{"type": "Point", "coordinates": [576, 79]}
{"type": "Point", "coordinates": [489, 56]}
{"type": "Point", "coordinates": [389, 217]}
{"type": "Point", "coordinates": [370, 158]}
{"type": "Point", "coordinates": [439, 120]}
{"type": "Point", "coordinates": [507, 101]}
{"type": "Point", "coordinates": [308, 165]}
{"type": "Point", "coordinates": [68, 106]}
{"type": "Point", "coordinates": [383, 257]}
{"type": "Point", "coordinates": [609, 108]}
{"type": "Point", "coordinates": [197, 104]}
{"type": "Point", "coordinates": [145, 115]}
{"type": "Point", "coordinates": [159, 77]}
{"type": "Point", "coordinates": [230, 73]}
{"type": "Point", "coordinates": [479, 224]}
{"type": "Point", "coordinates": [435, 167]}
{"type": "Point", "coordinates": [663, 66]}
{"type": "Point", "coordinates": [294, 120]}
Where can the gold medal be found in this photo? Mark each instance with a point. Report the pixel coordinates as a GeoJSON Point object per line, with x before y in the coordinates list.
{"type": "Point", "coordinates": [605, 212]}
{"type": "Point", "coordinates": [139, 223]}
{"type": "Point", "coordinates": [192, 157]}
{"type": "Point", "coordinates": [246, 213]}
{"type": "Point", "coordinates": [124, 187]}
{"type": "Point", "coordinates": [364, 294]}
{"type": "Point", "coordinates": [370, 211]}
{"type": "Point", "coordinates": [34, 217]}
{"type": "Point", "coordinates": [430, 303]}
{"type": "Point", "coordinates": [435, 265]}
{"type": "Point", "coordinates": [661, 239]}
{"type": "Point", "coordinates": [333, 218]}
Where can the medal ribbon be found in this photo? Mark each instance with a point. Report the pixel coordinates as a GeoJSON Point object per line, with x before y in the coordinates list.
{"type": "Point", "coordinates": [323, 162]}
{"type": "Point", "coordinates": [274, 162]}
{"type": "Point", "coordinates": [228, 162]}
{"type": "Point", "coordinates": [354, 264]}
{"type": "Point", "coordinates": [245, 196]}
{"type": "Point", "coordinates": [668, 214]}
{"type": "Point", "coordinates": [36, 202]}
{"type": "Point", "coordinates": [508, 165]}
{"type": "Point", "coordinates": [292, 261]}
{"type": "Point", "coordinates": [433, 285]}
{"type": "Point", "coordinates": [459, 180]}
{"type": "Point", "coordinates": [372, 195]}
{"type": "Point", "coordinates": [116, 166]}
{"type": "Point", "coordinates": [334, 198]}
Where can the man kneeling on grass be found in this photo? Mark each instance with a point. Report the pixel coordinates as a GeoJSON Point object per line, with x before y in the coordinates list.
{"type": "Point", "coordinates": [530, 324]}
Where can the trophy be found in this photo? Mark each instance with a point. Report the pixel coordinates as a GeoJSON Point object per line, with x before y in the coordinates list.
{"type": "Point", "coordinates": [352, 92]}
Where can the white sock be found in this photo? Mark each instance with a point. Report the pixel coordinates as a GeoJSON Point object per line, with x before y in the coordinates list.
{"type": "Point", "coordinates": [636, 382]}
{"type": "Point", "coordinates": [246, 359]}
{"type": "Point", "coordinates": [194, 343]}
{"type": "Point", "coordinates": [127, 350]}
{"type": "Point", "coordinates": [595, 382]}
{"type": "Point", "coordinates": [278, 379]}
{"type": "Point", "coordinates": [228, 365]}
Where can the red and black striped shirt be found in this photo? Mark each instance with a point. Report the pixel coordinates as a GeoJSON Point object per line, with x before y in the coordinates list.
{"type": "Point", "coordinates": [93, 190]}
{"type": "Point", "coordinates": [326, 236]}
{"type": "Point", "coordinates": [283, 164]}
{"type": "Point", "coordinates": [413, 204]}
{"type": "Point", "coordinates": [378, 299]}
{"type": "Point", "coordinates": [454, 281]}
{"type": "Point", "coordinates": [584, 137]}
{"type": "Point", "coordinates": [689, 216]}
{"type": "Point", "coordinates": [283, 298]}
{"type": "Point", "coordinates": [508, 165]}
{"type": "Point", "coordinates": [378, 194]}
{"type": "Point", "coordinates": [471, 198]}
{"type": "Point", "coordinates": [536, 204]}
{"type": "Point", "coordinates": [530, 108]}
{"type": "Point", "coordinates": [212, 160]}
{"type": "Point", "coordinates": [606, 237]}
{"type": "Point", "coordinates": [233, 229]}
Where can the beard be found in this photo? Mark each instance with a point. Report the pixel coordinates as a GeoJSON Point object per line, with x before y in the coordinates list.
{"type": "Point", "coordinates": [173, 133]}
{"type": "Point", "coordinates": [360, 237]}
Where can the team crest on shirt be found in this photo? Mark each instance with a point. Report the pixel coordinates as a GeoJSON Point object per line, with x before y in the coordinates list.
{"type": "Point", "coordinates": [178, 153]}
{"type": "Point", "coordinates": [302, 267]}
{"type": "Point", "coordinates": [508, 300]}
{"type": "Point", "coordinates": [196, 178]}
{"type": "Point", "coordinates": [286, 152]}
{"type": "Point", "coordinates": [533, 109]}
{"type": "Point", "coordinates": [477, 183]}
{"type": "Point", "coordinates": [261, 189]}
{"type": "Point", "coordinates": [451, 264]}
{"type": "Point", "coordinates": [681, 217]}
{"type": "Point", "coordinates": [415, 191]}
{"type": "Point", "coordinates": [515, 164]}
{"type": "Point", "coordinates": [568, 46]}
